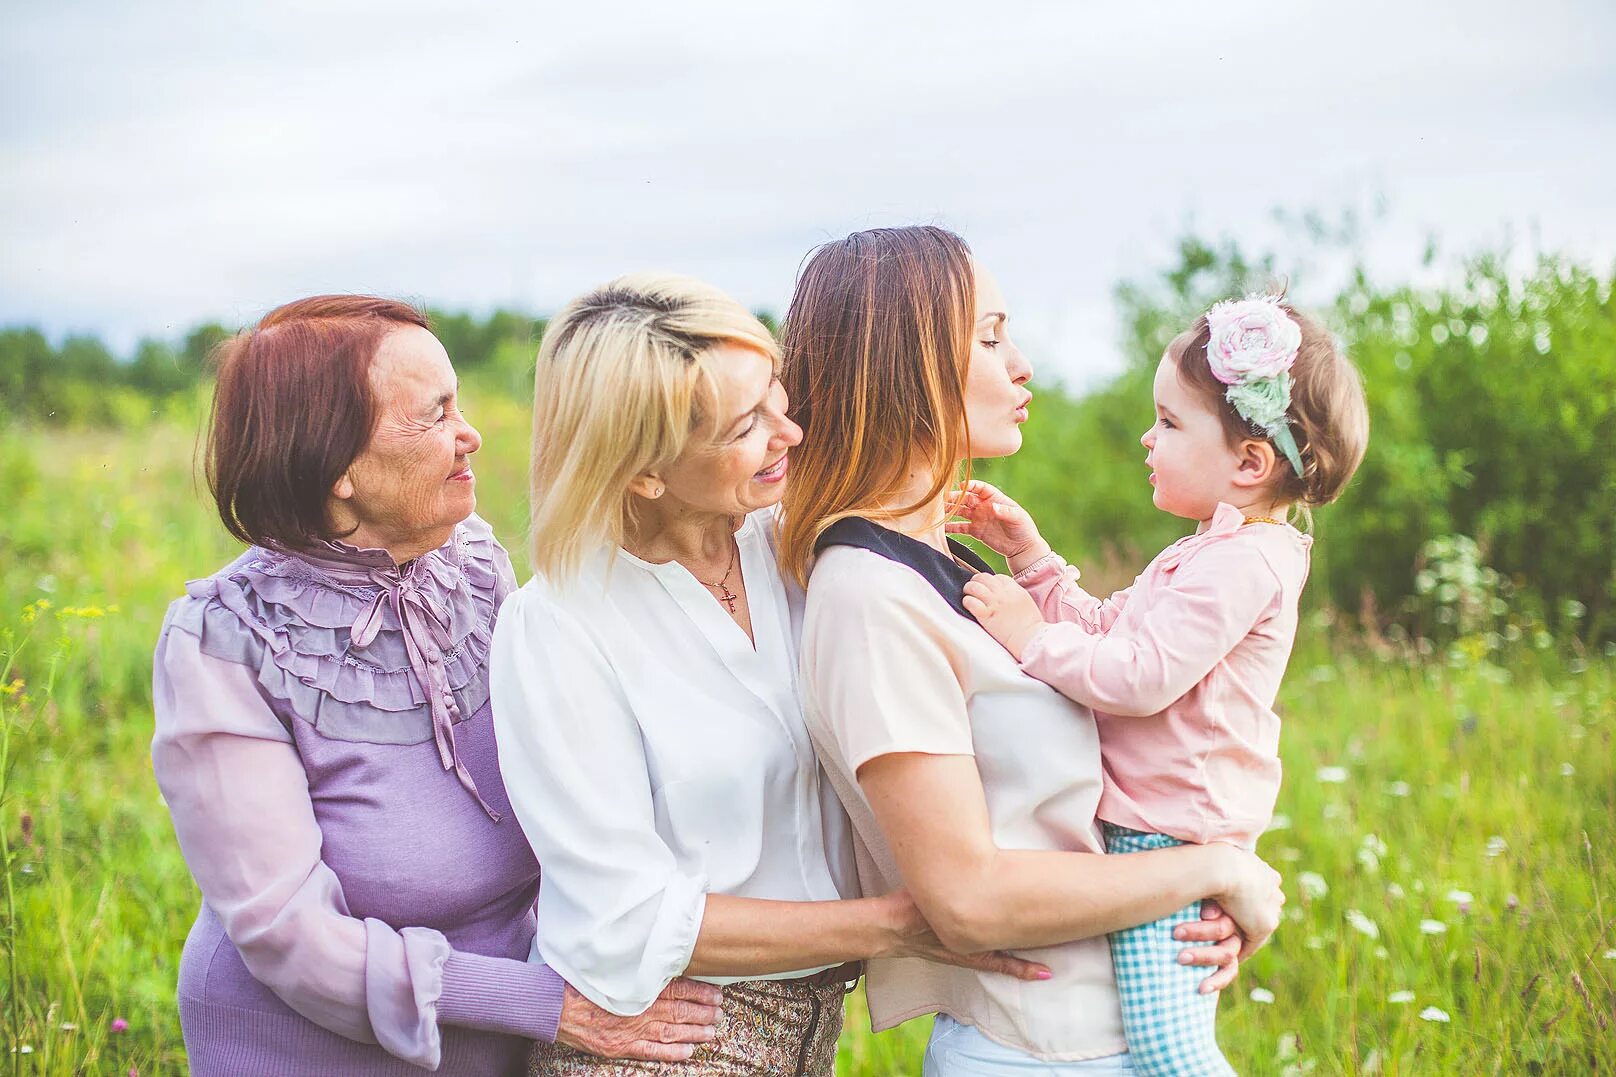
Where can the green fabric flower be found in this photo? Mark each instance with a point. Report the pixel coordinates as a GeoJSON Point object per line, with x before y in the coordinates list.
{"type": "Point", "coordinates": [1262, 401]}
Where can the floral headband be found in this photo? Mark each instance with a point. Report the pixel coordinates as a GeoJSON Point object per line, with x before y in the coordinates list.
{"type": "Point", "coordinates": [1253, 346]}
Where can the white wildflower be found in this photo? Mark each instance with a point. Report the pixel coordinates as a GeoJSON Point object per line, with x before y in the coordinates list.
{"type": "Point", "coordinates": [1312, 885]}
{"type": "Point", "coordinates": [1610, 955]}
{"type": "Point", "coordinates": [1262, 995]}
{"type": "Point", "coordinates": [1397, 998]}
{"type": "Point", "coordinates": [1398, 789]}
{"type": "Point", "coordinates": [1279, 822]}
{"type": "Point", "coordinates": [1332, 775]}
{"type": "Point", "coordinates": [1362, 924]}
{"type": "Point", "coordinates": [1432, 927]}
{"type": "Point", "coordinates": [1567, 770]}
{"type": "Point", "coordinates": [1496, 846]}
{"type": "Point", "coordinates": [1461, 897]}
{"type": "Point", "coordinates": [1289, 1047]}
{"type": "Point", "coordinates": [1431, 1013]}
{"type": "Point", "coordinates": [1394, 891]}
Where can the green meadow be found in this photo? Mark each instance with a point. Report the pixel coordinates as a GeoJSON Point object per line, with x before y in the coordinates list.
{"type": "Point", "coordinates": [1445, 831]}
{"type": "Point", "coordinates": [1449, 812]}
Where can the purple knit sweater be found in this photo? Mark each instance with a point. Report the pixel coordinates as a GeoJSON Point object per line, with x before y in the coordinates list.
{"type": "Point", "coordinates": [325, 748]}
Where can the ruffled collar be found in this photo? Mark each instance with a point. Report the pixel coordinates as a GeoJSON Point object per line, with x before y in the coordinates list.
{"type": "Point", "coordinates": [1226, 522]}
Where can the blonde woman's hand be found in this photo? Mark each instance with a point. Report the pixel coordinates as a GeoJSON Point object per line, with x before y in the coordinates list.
{"type": "Point", "coordinates": [913, 937]}
{"type": "Point", "coordinates": [996, 521]}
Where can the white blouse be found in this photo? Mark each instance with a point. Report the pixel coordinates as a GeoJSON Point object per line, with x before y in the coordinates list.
{"type": "Point", "coordinates": [654, 756]}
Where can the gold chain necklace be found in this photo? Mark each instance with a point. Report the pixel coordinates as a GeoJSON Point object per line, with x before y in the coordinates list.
{"type": "Point", "coordinates": [726, 596]}
{"type": "Point", "coordinates": [1264, 520]}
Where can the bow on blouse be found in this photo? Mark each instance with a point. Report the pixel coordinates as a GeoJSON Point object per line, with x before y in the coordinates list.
{"type": "Point", "coordinates": [420, 616]}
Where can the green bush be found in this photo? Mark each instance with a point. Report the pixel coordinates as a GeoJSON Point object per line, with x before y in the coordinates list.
{"type": "Point", "coordinates": [1493, 411]}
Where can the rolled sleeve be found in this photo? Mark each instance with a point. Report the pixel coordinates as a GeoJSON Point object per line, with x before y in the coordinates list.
{"type": "Point", "coordinates": [618, 915]}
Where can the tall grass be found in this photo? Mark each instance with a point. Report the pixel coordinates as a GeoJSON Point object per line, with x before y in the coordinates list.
{"type": "Point", "coordinates": [1446, 832]}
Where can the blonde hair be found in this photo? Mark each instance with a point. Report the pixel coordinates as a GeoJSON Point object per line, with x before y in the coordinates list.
{"type": "Point", "coordinates": [620, 387]}
{"type": "Point", "coordinates": [1329, 416]}
{"type": "Point", "coordinates": [876, 341]}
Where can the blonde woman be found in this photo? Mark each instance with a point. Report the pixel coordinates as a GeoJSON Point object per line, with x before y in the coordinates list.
{"type": "Point", "coordinates": [645, 695]}
{"type": "Point", "coordinates": [968, 782]}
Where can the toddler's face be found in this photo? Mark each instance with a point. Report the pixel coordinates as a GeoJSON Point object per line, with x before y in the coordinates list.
{"type": "Point", "coordinates": [1192, 466]}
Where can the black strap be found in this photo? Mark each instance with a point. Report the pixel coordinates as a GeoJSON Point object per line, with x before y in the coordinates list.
{"type": "Point", "coordinates": [946, 575]}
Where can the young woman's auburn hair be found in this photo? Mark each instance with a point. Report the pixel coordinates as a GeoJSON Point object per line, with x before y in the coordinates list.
{"type": "Point", "coordinates": [1329, 416]}
{"type": "Point", "coordinates": [621, 386]}
{"type": "Point", "coordinates": [876, 343]}
{"type": "Point", "coordinates": [292, 409]}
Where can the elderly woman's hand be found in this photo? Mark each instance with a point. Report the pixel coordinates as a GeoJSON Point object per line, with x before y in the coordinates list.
{"type": "Point", "coordinates": [685, 1014]}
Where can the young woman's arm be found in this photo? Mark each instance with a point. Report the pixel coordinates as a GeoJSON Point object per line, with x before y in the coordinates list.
{"type": "Point", "coordinates": [979, 897]}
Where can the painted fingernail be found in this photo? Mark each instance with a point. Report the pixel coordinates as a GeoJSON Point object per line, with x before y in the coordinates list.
{"type": "Point", "coordinates": [1045, 974]}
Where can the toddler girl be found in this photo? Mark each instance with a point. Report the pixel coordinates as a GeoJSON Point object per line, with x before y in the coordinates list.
{"type": "Point", "coordinates": [1258, 414]}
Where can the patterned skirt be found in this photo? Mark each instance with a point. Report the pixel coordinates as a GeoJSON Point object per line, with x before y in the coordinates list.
{"type": "Point", "coordinates": [766, 1028]}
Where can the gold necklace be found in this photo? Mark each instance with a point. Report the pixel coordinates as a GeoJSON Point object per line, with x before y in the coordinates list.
{"type": "Point", "coordinates": [1264, 520]}
{"type": "Point", "coordinates": [726, 596]}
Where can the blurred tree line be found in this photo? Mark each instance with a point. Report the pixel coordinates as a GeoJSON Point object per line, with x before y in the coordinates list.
{"type": "Point", "coordinates": [1493, 404]}
{"type": "Point", "coordinates": [1493, 422]}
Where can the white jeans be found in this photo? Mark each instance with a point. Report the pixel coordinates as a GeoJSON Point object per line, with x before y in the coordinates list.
{"type": "Point", "coordinates": [958, 1050]}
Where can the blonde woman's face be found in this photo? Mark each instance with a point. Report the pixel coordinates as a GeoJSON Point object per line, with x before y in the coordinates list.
{"type": "Point", "coordinates": [996, 396]}
{"type": "Point", "coordinates": [737, 461]}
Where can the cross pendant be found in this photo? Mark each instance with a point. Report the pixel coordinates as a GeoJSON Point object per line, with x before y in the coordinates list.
{"type": "Point", "coordinates": [729, 597]}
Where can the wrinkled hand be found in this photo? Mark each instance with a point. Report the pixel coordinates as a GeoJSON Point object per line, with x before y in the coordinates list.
{"type": "Point", "coordinates": [1008, 613]}
{"type": "Point", "coordinates": [685, 1014]}
{"type": "Point", "coordinates": [1218, 928]}
{"type": "Point", "coordinates": [994, 520]}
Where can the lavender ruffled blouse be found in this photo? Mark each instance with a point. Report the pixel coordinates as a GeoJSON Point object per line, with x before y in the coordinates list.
{"type": "Point", "coordinates": [325, 747]}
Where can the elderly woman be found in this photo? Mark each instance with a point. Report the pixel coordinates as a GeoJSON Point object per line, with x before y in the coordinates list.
{"type": "Point", "coordinates": [323, 734]}
{"type": "Point", "coordinates": [968, 782]}
{"type": "Point", "coordinates": [645, 693]}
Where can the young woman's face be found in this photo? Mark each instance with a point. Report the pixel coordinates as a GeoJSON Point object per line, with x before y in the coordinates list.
{"type": "Point", "coordinates": [412, 483]}
{"type": "Point", "coordinates": [996, 396]}
{"type": "Point", "coordinates": [737, 461]}
{"type": "Point", "coordinates": [1192, 466]}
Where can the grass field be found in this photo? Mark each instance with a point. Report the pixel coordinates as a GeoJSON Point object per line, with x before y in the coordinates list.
{"type": "Point", "coordinates": [1446, 833]}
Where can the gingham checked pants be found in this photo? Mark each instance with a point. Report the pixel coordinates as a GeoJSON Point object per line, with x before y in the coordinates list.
{"type": "Point", "coordinates": [1167, 1021]}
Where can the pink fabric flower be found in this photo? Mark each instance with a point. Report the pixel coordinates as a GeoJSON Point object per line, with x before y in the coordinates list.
{"type": "Point", "coordinates": [1251, 338]}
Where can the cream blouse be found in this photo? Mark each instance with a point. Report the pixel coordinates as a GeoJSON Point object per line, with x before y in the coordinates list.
{"type": "Point", "coordinates": [889, 666]}
{"type": "Point", "coordinates": [654, 756]}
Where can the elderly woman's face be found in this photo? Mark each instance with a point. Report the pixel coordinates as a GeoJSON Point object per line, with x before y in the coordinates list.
{"type": "Point", "coordinates": [737, 461]}
{"type": "Point", "coordinates": [412, 483]}
{"type": "Point", "coordinates": [996, 396]}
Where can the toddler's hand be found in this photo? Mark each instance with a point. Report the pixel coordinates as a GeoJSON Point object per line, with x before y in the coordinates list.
{"type": "Point", "coordinates": [1004, 609]}
{"type": "Point", "coordinates": [996, 521]}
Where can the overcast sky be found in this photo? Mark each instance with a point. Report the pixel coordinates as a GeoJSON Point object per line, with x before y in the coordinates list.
{"type": "Point", "coordinates": [162, 162]}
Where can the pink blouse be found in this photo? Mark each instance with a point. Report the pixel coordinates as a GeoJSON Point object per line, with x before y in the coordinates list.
{"type": "Point", "coordinates": [1182, 670]}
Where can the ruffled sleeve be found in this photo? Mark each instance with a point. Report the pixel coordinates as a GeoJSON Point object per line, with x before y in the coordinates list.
{"type": "Point", "coordinates": [238, 794]}
{"type": "Point", "coordinates": [618, 917]}
{"type": "Point", "coordinates": [1052, 583]}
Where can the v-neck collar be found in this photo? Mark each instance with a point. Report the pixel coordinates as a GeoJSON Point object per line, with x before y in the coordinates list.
{"type": "Point", "coordinates": [750, 661]}
{"type": "Point", "coordinates": [945, 574]}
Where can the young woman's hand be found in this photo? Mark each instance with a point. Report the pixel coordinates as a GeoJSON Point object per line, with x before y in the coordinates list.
{"type": "Point", "coordinates": [1251, 895]}
{"type": "Point", "coordinates": [996, 521]}
{"type": "Point", "coordinates": [1007, 612]}
{"type": "Point", "coordinates": [912, 936]}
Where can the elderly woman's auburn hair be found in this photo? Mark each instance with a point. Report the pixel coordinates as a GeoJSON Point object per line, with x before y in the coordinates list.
{"type": "Point", "coordinates": [876, 344]}
{"type": "Point", "coordinates": [292, 409]}
{"type": "Point", "coordinates": [621, 386]}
